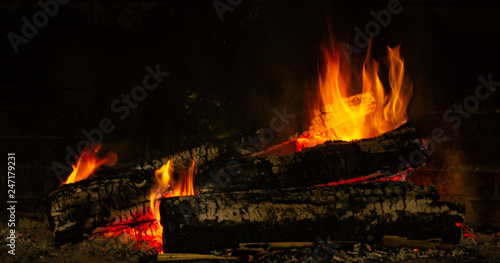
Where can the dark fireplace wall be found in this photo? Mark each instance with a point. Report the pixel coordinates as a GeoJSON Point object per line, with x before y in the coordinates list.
{"type": "Point", "coordinates": [230, 63]}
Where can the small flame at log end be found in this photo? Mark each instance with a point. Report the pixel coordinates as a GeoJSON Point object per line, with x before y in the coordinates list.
{"type": "Point", "coordinates": [88, 163]}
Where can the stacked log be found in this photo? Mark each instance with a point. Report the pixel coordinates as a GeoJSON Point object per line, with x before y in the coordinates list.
{"type": "Point", "coordinates": [122, 196]}
{"type": "Point", "coordinates": [351, 212]}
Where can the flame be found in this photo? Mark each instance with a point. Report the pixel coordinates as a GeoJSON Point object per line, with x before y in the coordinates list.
{"type": "Point", "coordinates": [163, 180]}
{"type": "Point", "coordinates": [166, 187]}
{"type": "Point", "coordinates": [88, 162]}
{"type": "Point", "coordinates": [374, 111]}
{"type": "Point", "coordinates": [185, 185]}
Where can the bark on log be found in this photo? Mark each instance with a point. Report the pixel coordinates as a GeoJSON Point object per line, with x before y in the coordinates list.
{"type": "Point", "coordinates": [357, 212]}
{"type": "Point", "coordinates": [79, 208]}
{"type": "Point", "coordinates": [123, 196]}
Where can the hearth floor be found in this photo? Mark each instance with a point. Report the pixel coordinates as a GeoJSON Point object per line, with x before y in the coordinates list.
{"type": "Point", "coordinates": [34, 243]}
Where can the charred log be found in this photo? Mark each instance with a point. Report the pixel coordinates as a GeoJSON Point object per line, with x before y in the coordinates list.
{"type": "Point", "coordinates": [79, 208]}
{"type": "Point", "coordinates": [220, 149]}
{"type": "Point", "coordinates": [353, 212]}
{"type": "Point", "coordinates": [329, 162]}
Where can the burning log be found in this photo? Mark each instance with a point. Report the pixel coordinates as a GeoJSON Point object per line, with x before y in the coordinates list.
{"type": "Point", "coordinates": [352, 212]}
{"type": "Point", "coordinates": [77, 209]}
{"type": "Point", "coordinates": [123, 197]}
{"type": "Point", "coordinates": [221, 149]}
{"type": "Point", "coordinates": [329, 162]}
{"type": "Point", "coordinates": [360, 105]}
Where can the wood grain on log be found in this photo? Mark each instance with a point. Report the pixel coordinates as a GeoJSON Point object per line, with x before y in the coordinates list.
{"type": "Point", "coordinates": [358, 212]}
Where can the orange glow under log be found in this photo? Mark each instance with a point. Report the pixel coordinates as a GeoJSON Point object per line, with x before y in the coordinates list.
{"type": "Point", "coordinates": [88, 162]}
{"type": "Point", "coordinates": [144, 233]}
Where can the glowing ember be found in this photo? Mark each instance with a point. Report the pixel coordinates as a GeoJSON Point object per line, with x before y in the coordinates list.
{"type": "Point", "coordinates": [88, 163]}
{"type": "Point", "coordinates": [340, 115]}
{"type": "Point", "coordinates": [145, 234]}
{"type": "Point", "coordinates": [467, 232]}
{"type": "Point", "coordinates": [376, 177]}
{"type": "Point", "coordinates": [301, 143]}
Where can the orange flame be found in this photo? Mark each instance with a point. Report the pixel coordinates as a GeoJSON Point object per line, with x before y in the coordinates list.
{"type": "Point", "coordinates": [88, 163]}
{"type": "Point", "coordinates": [163, 180]}
{"type": "Point", "coordinates": [166, 187]}
{"type": "Point", "coordinates": [338, 116]}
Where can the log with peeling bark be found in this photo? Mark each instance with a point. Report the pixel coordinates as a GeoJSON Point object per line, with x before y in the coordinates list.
{"type": "Point", "coordinates": [353, 212]}
{"type": "Point", "coordinates": [123, 196]}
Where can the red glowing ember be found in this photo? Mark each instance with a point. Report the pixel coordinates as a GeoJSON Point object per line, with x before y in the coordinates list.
{"type": "Point", "coordinates": [467, 232]}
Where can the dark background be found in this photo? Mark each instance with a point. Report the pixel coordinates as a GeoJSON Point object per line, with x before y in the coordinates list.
{"type": "Point", "coordinates": [227, 76]}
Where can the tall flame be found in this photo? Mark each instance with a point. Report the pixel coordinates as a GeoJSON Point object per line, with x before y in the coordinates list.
{"type": "Point", "coordinates": [374, 111]}
{"type": "Point", "coordinates": [163, 178]}
{"type": "Point", "coordinates": [88, 162]}
{"type": "Point", "coordinates": [166, 187]}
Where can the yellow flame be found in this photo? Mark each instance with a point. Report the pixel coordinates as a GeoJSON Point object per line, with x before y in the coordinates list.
{"type": "Point", "coordinates": [166, 186]}
{"type": "Point", "coordinates": [370, 113]}
{"type": "Point", "coordinates": [161, 186]}
{"type": "Point", "coordinates": [88, 162]}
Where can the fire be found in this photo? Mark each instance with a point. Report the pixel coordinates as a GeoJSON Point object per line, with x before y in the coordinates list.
{"type": "Point", "coordinates": [147, 232]}
{"type": "Point", "coordinates": [165, 181]}
{"type": "Point", "coordinates": [166, 187]}
{"type": "Point", "coordinates": [162, 177]}
{"type": "Point", "coordinates": [340, 115]}
{"type": "Point", "coordinates": [88, 163]}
